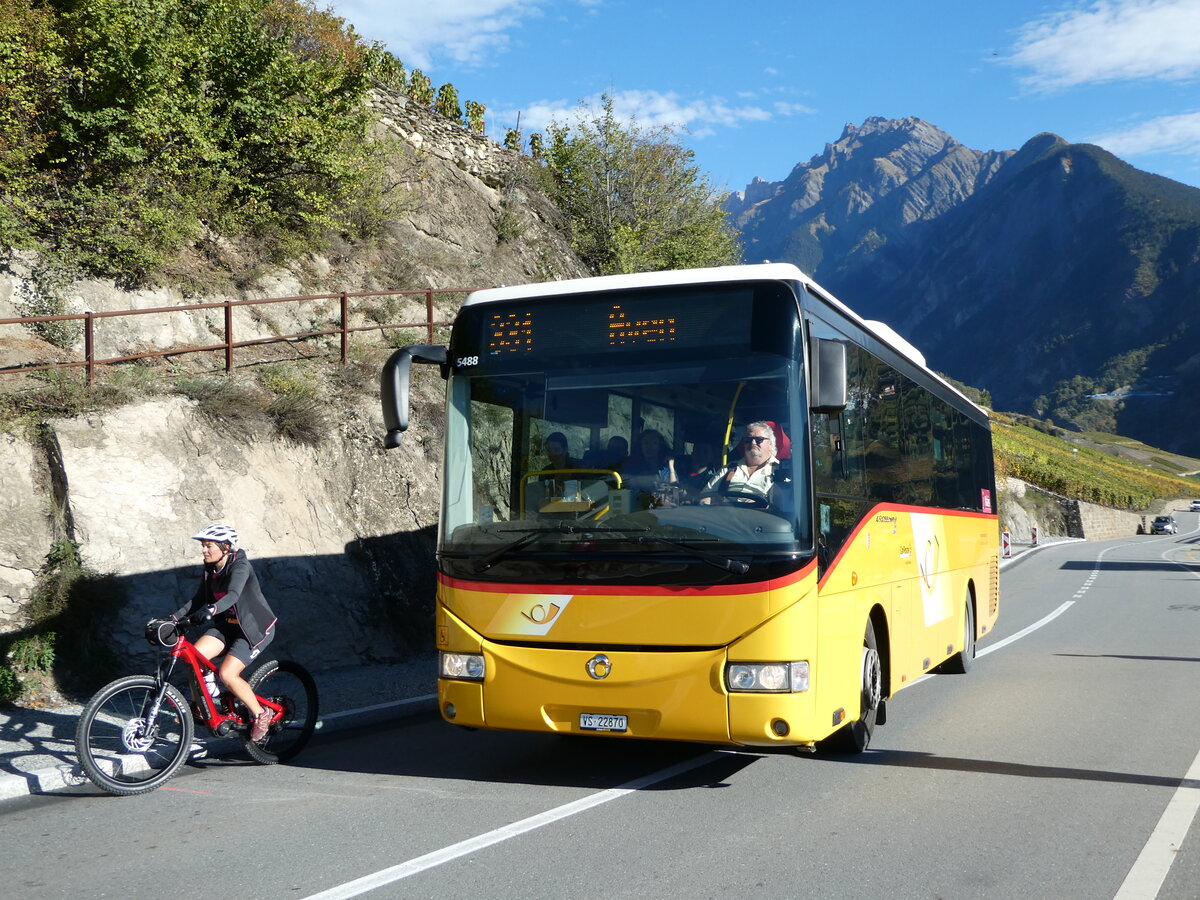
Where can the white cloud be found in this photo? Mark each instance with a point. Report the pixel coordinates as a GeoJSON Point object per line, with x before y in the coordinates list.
{"type": "Point", "coordinates": [419, 31]}
{"type": "Point", "coordinates": [1167, 134]}
{"type": "Point", "coordinates": [700, 117]}
{"type": "Point", "coordinates": [784, 108]}
{"type": "Point", "coordinates": [1111, 40]}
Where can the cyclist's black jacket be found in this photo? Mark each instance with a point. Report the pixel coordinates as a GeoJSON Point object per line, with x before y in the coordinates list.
{"type": "Point", "coordinates": [234, 588]}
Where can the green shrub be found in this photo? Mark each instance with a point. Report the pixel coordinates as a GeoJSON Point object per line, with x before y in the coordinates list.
{"type": "Point", "coordinates": [224, 399]}
{"type": "Point", "coordinates": [10, 685]}
{"type": "Point", "coordinates": [299, 418]}
{"type": "Point", "coordinates": [132, 128]}
{"type": "Point", "coordinates": [64, 642]}
{"type": "Point", "coordinates": [34, 653]}
{"type": "Point", "coordinates": [285, 380]}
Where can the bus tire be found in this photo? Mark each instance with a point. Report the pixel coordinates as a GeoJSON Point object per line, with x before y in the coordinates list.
{"type": "Point", "coordinates": [854, 737]}
{"type": "Point", "coordinates": [960, 662]}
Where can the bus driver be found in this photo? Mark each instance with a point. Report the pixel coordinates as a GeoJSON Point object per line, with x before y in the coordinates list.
{"type": "Point", "coordinates": [757, 472]}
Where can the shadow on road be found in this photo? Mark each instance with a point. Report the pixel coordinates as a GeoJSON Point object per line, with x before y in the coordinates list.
{"type": "Point", "coordinates": [918, 760]}
{"type": "Point", "coordinates": [1121, 565]}
{"type": "Point", "coordinates": [425, 747]}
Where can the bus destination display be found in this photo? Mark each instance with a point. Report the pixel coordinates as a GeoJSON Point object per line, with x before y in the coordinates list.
{"type": "Point", "coordinates": [556, 329]}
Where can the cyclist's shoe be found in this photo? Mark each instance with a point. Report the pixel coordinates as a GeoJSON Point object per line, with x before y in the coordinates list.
{"type": "Point", "coordinates": [261, 723]}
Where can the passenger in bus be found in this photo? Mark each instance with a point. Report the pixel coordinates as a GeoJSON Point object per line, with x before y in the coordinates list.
{"type": "Point", "coordinates": [758, 471]}
{"type": "Point", "coordinates": [618, 452]}
{"type": "Point", "coordinates": [700, 467]}
{"type": "Point", "coordinates": [612, 456]}
{"type": "Point", "coordinates": [557, 452]}
{"type": "Point", "coordinates": [652, 459]}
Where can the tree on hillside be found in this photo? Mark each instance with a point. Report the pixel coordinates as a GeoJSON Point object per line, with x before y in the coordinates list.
{"type": "Point", "coordinates": [446, 102]}
{"type": "Point", "coordinates": [474, 117]}
{"type": "Point", "coordinates": [131, 127]}
{"type": "Point", "coordinates": [635, 199]}
{"type": "Point", "coordinates": [420, 88]}
{"type": "Point", "coordinates": [31, 71]}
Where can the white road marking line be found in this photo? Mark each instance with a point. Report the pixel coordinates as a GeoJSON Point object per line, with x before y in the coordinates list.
{"type": "Point", "coordinates": [1154, 862]}
{"type": "Point", "coordinates": [377, 706]}
{"type": "Point", "coordinates": [1045, 620]}
{"type": "Point", "coordinates": [1150, 869]}
{"type": "Point", "coordinates": [438, 857]}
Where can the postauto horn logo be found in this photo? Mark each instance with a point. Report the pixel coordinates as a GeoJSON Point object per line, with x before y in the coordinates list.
{"type": "Point", "coordinates": [599, 666]}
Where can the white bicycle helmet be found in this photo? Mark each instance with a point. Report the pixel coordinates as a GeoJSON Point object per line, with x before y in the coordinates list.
{"type": "Point", "coordinates": [221, 534]}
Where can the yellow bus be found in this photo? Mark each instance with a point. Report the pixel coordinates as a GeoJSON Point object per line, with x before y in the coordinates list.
{"type": "Point", "coordinates": [706, 505]}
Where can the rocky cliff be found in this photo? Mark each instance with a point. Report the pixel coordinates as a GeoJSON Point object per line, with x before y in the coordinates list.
{"type": "Point", "coordinates": [340, 532]}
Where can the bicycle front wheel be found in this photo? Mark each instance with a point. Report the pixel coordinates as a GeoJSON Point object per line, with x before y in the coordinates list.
{"type": "Point", "coordinates": [291, 686]}
{"type": "Point", "coordinates": [125, 750]}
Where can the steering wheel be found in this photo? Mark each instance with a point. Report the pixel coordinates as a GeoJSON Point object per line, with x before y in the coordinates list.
{"type": "Point", "coordinates": [733, 497]}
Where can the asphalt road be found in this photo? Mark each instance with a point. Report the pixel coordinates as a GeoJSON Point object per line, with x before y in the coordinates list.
{"type": "Point", "coordinates": [1065, 765]}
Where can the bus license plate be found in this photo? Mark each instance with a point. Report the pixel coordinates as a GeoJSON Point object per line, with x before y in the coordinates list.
{"type": "Point", "coordinates": [601, 722]}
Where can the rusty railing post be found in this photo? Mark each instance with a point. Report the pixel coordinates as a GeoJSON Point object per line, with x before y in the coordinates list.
{"type": "Point", "coordinates": [89, 347]}
{"type": "Point", "coordinates": [429, 316]}
{"type": "Point", "coordinates": [345, 326]}
{"type": "Point", "coordinates": [228, 337]}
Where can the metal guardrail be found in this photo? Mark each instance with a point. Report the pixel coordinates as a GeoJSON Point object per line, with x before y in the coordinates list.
{"type": "Point", "coordinates": [89, 362]}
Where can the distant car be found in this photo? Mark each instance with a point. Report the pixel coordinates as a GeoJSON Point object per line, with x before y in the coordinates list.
{"type": "Point", "coordinates": [1164, 525]}
{"type": "Point", "coordinates": [1195, 506]}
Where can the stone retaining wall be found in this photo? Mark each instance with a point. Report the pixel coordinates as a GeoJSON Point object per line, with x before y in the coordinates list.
{"type": "Point", "coordinates": [1023, 505]}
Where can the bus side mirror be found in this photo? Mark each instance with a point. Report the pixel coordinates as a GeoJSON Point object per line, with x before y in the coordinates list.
{"type": "Point", "coordinates": [827, 370]}
{"type": "Point", "coordinates": [393, 387]}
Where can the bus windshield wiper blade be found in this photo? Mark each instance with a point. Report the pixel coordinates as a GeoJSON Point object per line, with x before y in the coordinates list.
{"type": "Point", "coordinates": [724, 563]}
{"type": "Point", "coordinates": [488, 560]}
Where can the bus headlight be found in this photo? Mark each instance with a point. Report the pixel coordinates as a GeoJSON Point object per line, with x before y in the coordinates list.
{"type": "Point", "coordinates": [467, 666]}
{"type": "Point", "coordinates": [778, 677]}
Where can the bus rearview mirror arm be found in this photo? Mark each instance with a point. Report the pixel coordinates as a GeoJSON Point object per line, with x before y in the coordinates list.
{"type": "Point", "coordinates": [827, 365]}
{"type": "Point", "coordinates": [393, 387]}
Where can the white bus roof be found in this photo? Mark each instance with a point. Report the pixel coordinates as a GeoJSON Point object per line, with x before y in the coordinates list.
{"type": "Point", "coordinates": [763, 272]}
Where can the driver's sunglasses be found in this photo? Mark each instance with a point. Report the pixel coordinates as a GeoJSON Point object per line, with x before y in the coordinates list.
{"type": "Point", "coordinates": [757, 439]}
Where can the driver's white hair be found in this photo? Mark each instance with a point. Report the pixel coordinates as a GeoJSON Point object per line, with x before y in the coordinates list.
{"type": "Point", "coordinates": [764, 426]}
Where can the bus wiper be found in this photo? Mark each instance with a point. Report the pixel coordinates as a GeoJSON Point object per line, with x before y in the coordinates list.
{"type": "Point", "coordinates": [490, 559]}
{"type": "Point", "coordinates": [724, 563]}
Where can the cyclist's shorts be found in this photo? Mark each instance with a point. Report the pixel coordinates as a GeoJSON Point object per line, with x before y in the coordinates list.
{"type": "Point", "coordinates": [236, 644]}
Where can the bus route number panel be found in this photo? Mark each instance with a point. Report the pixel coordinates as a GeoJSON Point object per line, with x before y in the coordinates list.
{"type": "Point", "coordinates": [602, 722]}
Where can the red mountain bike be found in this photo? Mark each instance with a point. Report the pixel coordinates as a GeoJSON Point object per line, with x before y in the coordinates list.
{"type": "Point", "coordinates": [137, 731]}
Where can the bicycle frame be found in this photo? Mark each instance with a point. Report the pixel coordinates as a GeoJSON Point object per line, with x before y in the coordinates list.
{"type": "Point", "coordinates": [220, 721]}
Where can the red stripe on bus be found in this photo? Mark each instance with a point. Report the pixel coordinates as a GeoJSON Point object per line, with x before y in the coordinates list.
{"type": "Point", "coordinates": [901, 508]}
{"type": "Point", "coordinates": [627, 590]}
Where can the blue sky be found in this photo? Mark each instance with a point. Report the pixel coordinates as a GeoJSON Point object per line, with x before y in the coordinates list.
{"type": "Point", "coordinates": [756, 87]}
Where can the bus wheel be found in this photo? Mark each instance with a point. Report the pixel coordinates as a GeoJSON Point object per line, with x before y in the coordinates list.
{"type": "Point", "coordinates": [960, 663]}
{"type": "Point", "coordinates": [853, 737]}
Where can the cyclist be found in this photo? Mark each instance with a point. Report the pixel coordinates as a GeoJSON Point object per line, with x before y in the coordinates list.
{"type": "Point", "coordinates": [242, 621]}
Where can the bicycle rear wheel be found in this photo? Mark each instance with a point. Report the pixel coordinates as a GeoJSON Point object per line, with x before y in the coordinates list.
{"type": "Point", "coordinates": [287, 683]}
{"type": "Point", "coordinates": [120, 749]}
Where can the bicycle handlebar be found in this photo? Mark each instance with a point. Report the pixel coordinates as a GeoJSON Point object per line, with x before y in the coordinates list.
{"type": "Point", "coordinates": [167, 632]}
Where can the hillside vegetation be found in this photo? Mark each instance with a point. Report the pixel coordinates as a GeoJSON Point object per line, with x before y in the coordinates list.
{"type": "Point", "coordinates": [1082, 473]}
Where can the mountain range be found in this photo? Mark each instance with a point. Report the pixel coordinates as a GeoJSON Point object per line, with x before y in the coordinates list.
{"type": "Point", "coordinates": [1057, 277]}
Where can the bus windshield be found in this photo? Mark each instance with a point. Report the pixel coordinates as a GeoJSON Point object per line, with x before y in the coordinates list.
{"type": "Point", "coordinates": [667, 465]}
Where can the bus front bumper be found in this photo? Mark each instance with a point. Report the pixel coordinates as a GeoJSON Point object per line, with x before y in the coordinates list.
{"type": "Point", "coordinates": [660, 695]}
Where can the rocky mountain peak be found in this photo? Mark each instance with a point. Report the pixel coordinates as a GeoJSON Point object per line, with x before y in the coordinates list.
{"type": "Point", "coordinates": [877, 178]}
{"type": "Point", "coordinates": [1055, 276]}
